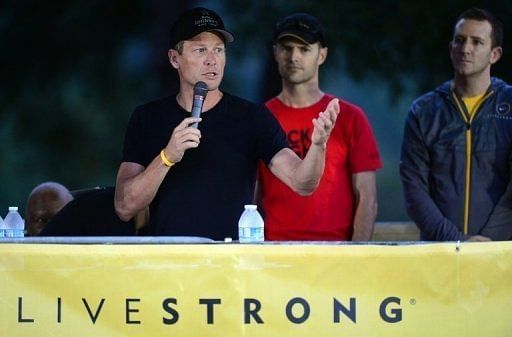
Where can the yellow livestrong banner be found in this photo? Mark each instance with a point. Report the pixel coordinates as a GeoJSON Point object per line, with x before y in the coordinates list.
{"type": "Point", "coordinates": [232, 290]}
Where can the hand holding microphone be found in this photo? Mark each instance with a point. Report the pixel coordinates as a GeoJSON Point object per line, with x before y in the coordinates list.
{"type": "Point", "coordinates": [186, 135]}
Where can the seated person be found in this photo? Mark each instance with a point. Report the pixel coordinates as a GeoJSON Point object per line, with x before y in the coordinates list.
{"type": "Point", "coordinates": [91, 214]}
{"type": "Point", "coordinates": [45, 200]}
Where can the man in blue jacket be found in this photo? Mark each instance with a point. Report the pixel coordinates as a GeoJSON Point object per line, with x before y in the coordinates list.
{"type": "Point", "coordinates": [456, 160]}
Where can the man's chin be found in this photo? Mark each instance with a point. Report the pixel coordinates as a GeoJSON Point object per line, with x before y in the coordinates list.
{"type": "Point", "coordinates": [462, 71]}
{"type": "Point", "coordinates": [214, 83]}
{"type": "Point", "coordinates": [295, 79]}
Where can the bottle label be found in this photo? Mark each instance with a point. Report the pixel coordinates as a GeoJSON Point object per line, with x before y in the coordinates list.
{"type": "Point", "coordinates": [18, 233]}
{"type": "Point", "coordinates": [250, 234]}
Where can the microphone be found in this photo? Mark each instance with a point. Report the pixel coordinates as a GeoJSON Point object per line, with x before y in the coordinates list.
{"type": "Point", "coordinates": [200, 91]}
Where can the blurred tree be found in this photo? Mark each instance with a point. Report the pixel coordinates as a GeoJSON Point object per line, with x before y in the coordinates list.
{"type": "Point", "coordinates": [395, 41]}
{"type": "Point", "coordinates": [382, 54]}
{"type": "Point", "coordinates": [72, 71]}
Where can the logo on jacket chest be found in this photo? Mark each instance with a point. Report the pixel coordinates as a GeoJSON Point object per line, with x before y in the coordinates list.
{"type": "Point", "coordinates": [503, 109]}
{"type": "Point", "coordinates": [299, 140]}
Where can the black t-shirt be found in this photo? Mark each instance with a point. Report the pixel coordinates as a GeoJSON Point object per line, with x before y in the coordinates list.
{"type": "Point", "coordinates": [90, 214]}
{"type": "Point", "coordinates": [204, 194]}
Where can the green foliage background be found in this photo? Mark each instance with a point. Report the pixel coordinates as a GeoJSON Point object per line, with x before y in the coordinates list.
{"type": "Point", "coordinates": [72, 72]}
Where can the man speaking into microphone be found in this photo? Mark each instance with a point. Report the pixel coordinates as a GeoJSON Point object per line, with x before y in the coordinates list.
{"type": "Point", "coordinates": [196, 180]}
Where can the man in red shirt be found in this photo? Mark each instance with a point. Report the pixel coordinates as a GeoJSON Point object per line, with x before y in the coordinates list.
{"type": "Point", "coordinates": [344, 206]}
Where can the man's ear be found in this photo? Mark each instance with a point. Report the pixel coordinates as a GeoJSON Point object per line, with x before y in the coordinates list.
{"type": "Point", "coordinates": [496, 53]}
{"type": "Point", "coordinates": [322, 56]}
{"type": "Point", "coordinates": [173, 58]}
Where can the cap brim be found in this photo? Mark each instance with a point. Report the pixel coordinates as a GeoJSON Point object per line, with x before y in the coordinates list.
{"type": "Point", "coordinates": [228, 37]}
{"type": "Point", "coordinates": [304, 37]}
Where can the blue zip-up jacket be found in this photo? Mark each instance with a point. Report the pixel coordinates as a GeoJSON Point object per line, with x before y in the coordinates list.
{"type": "Point", "coordinates": [456, 170]}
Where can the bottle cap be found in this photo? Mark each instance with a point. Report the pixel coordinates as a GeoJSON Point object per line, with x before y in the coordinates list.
{"type": "Point", "coordinates": [251, 207]}
{"type": "Point", "coordinates": [13, 208]}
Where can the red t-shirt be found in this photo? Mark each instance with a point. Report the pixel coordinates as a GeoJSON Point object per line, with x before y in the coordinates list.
{"type": "Point", "coordinates": [328, 213]}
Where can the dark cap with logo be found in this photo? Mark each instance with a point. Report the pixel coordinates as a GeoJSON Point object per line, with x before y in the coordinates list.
{"type": "Point", "coordinates": [195, 21]}
{"type": "Point", "coordinates": [302, 26]}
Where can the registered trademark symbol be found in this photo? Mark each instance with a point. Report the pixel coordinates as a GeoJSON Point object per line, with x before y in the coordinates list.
{"type": "Point", "coordinates": [412, 301]}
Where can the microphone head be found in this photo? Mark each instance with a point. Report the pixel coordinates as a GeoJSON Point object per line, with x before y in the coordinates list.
{"type": "Point", "coordinates": [201, 89]}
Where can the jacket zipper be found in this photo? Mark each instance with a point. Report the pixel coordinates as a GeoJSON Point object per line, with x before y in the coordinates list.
{"type": "Point", "coordinates": [468, 119]}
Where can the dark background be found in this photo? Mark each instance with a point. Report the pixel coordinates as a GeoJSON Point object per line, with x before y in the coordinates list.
{"type": "Point", "coordinates": [72, 72]}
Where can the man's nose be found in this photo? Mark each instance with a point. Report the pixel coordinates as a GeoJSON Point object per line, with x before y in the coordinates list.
{"type": "Point", "coordinates": [294, 54]}
{"type": "Point", "coordinates": [211, 59]}
{"type": "Point", "coordinates": [466, 46]}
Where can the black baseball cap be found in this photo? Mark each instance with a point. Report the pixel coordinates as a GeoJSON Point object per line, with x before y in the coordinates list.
{"type": "Point", "coordinates": [302, 26]}
{"type": "Point", "coordinates": [195, 21]}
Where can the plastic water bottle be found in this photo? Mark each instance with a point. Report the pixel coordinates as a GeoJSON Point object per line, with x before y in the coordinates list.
{"type": "Point", "coordinates": [14, 224]}
{"type": "Point", "coordinates": [2, 228]}
{"type": "Point", "coordinates": [250, 225]}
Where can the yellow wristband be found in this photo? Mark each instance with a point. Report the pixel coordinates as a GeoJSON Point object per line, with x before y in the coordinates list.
{"type": "Point", "coordinates": [166, 161]}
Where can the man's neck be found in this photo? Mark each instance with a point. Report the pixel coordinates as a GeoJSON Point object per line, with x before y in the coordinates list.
{"type": "Point", "coordinates": [300, 96]}
{"type": "Point", "coordinates": [471, 86]}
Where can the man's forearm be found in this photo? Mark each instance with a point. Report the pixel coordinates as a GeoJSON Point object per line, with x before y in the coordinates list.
{"type": "Point", "coordinates": [365, 193]}
{"type": "Point", "coordinates": [364, 221]}
{"type": "Point", "coordinates": [134, 192]}
{"type": "Point", "coordinates": [309, 172]}
{"type": "Point", "coordinates": [303, 176]}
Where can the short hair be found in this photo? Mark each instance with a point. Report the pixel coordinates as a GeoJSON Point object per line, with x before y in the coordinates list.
{"type": "Point", "coordinates": [479, 14]}
{"type": "Point", "coordinates": [179, 47]}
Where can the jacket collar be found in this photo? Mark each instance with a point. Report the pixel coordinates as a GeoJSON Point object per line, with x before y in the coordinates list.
{"type": "Point", "coordinates": [446, 87]}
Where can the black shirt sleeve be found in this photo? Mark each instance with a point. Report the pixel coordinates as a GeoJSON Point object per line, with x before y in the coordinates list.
{"type": "Point", "coordinates": [132, 150]}
{"type": "Point", "coordinates": [271, 137]}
